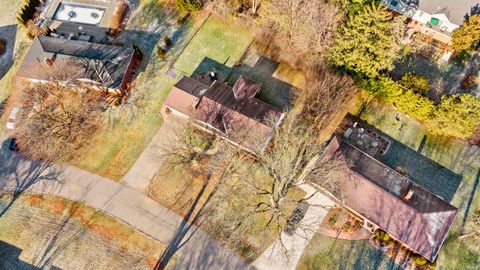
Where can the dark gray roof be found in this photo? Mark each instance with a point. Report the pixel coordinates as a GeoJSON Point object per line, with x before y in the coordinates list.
{"type": "Point", "coordinates": [454, 9]}
{"type": "Point", "coordinates": [101, 63]}
{"type": "Point", "coordinates": [192, 86]}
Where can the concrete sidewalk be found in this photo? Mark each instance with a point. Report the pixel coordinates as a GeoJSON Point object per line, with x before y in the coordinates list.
{"type": "Point", "coordinates": [196, 250]}
{"type": "Point", "coordinates": [148, 164]}
{"type": "Point", "coordinates": [276, 256]}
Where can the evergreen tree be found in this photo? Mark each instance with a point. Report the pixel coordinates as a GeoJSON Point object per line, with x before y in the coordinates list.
{"type": "Point", "coordinates": [189, 5]}
{"type": "Point", "coordinates": [416, 83]}
{"type": "Point", "coordinates": [468, 35]}
{"type": "Point", "coordinates": [369, 42]}
{"type": "Point", "coordinates": [457, 116]}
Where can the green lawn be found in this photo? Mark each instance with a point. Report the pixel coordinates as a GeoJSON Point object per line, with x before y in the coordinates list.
{"type": "Point", "coordinates": [326, 253]}
{"type": "Point", "coordinates": [219, 40]}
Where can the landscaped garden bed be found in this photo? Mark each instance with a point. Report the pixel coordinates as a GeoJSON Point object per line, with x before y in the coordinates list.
{"type": "Point", "coordinates": [399, 253]}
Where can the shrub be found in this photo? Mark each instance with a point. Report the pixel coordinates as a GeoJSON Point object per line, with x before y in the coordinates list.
{"type": "Point", "coordinates": [3, 46]}
{"type": "Point", "coordinates": [333, 219]}
{"type": "Point", "coordinates": [418, 260]}
{"type": "Point", "coordinates": [418, 84]}
{"type": "Point", "coordinates": [189, 5]}
{"type": "Point", "coordinates": [161, 52]}
{"type": "Point", "coordinates": [167, 41]}
{"type": "Point", "coordinates": [457, 116]}
{"type": "Point", "coordinates": [382, 235]}
{"type": "Point", "coordinates": [117, 17]}
{"type": "Point", "coordinates": [415, 105]}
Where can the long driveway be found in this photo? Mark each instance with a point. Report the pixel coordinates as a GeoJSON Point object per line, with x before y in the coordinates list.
{"type": "Point", "coordinates": [195, 249]}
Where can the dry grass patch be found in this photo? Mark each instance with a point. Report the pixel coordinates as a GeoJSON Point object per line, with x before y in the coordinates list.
{"type": "Point", "coordinates": [70, 235]}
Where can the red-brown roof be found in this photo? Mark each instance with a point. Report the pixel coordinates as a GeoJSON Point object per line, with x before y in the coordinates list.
{"type": "Point", "coordinates": [377, 192]}
{"type": "Point", "coordinates": [245, 87]}
{"type": "Point", "coordinates": [243, 119]}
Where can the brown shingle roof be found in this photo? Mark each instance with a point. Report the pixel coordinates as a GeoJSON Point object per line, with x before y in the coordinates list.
{"type": "Point", "coordinates": [377, 192]}
{"type": "Point", "coordinates": [245, 87]}
{"type": "Point", "coordinates": [247, 121]}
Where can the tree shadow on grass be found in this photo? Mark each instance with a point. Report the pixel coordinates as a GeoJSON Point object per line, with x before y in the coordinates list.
{"type": "Point", "coordinates": [8, 33]}
{"type": "Point", "coordinates": [65, 234]}
{"type": "Point", "coordinates": [10, 258]}
{"type": "Point", "coordinates": [470, 201]}
{"type": "Point", "coordinates": [206, 253]}
{"type": "Point", "coordinates": [17, 175]}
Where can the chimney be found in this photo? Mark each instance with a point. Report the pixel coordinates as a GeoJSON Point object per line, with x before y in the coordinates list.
{"type": "Point", "coordinates": [409, 194]}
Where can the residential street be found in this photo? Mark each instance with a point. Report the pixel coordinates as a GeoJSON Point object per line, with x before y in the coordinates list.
{"type": "Point", "coordinates": [275, 257]}
{"type": "Point", "coordinates": [196, 250]}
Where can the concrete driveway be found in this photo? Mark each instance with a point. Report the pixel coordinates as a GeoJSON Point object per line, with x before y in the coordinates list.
{"type": "Point", "coordinates": [287, 257]}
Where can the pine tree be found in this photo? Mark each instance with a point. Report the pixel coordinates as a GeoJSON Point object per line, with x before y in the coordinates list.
{"type": "Point", "coordinates": [465, 37]}
{"type": "Point", "coordinates": [369, 42]}
{"type": "Point", "coordinates": [457, 116]}
{"type": "Point", "coordinates": [189, 5]}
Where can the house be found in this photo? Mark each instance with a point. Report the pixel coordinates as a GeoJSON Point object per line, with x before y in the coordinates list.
{"type": "Point", "coordinates": [385, 198]}
{"type": "Point", "coordinates": [432, 22]}
{"type": "Point", "coordinates": [234, 113]}
{"type": "Point", "coordinates": [78, 63]}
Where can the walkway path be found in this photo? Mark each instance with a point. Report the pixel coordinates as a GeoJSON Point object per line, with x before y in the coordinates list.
{"type": "Point", "coordinates": [122, 202]}
{"type": "Point", "coordinates": [149, 162]}
{"type": "Point", "coordinates": [275, 257]}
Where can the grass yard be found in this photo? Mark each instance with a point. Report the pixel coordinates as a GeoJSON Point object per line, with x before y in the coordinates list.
{"type": "Point", "coordinates": [9, 11]}
{"type": "Point", "coordinates": [51, 231]}
{"type": "Point", "coordinates": [221, 41]}
{"type": "Point", "coordinates": [129, 128]}
{"type": "Point", "coordinates": [327, 254]}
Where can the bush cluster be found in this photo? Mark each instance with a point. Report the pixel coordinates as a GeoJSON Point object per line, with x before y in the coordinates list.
{"type": "Point", "coordinates": [455, 116]}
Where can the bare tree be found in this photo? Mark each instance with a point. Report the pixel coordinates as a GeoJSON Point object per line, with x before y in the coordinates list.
{"type": "Point", "coordinates": [57, 120]}
{"type": "Point", "coordinates": [264, 191]}
{"type": "Point", "coordinates": [324, 96]}
{"type": "Point", "coordinates": [258, 193]}
{"type": "Point", "coordinates": [302, 29]}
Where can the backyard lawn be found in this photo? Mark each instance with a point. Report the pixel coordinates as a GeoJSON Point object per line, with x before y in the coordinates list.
{"type": "Point", "coordinates": [328, 254]}
{"type": "Point", "coordinates": [218, 40]}
{"type": "Point", "coordinates": [50, 231]}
